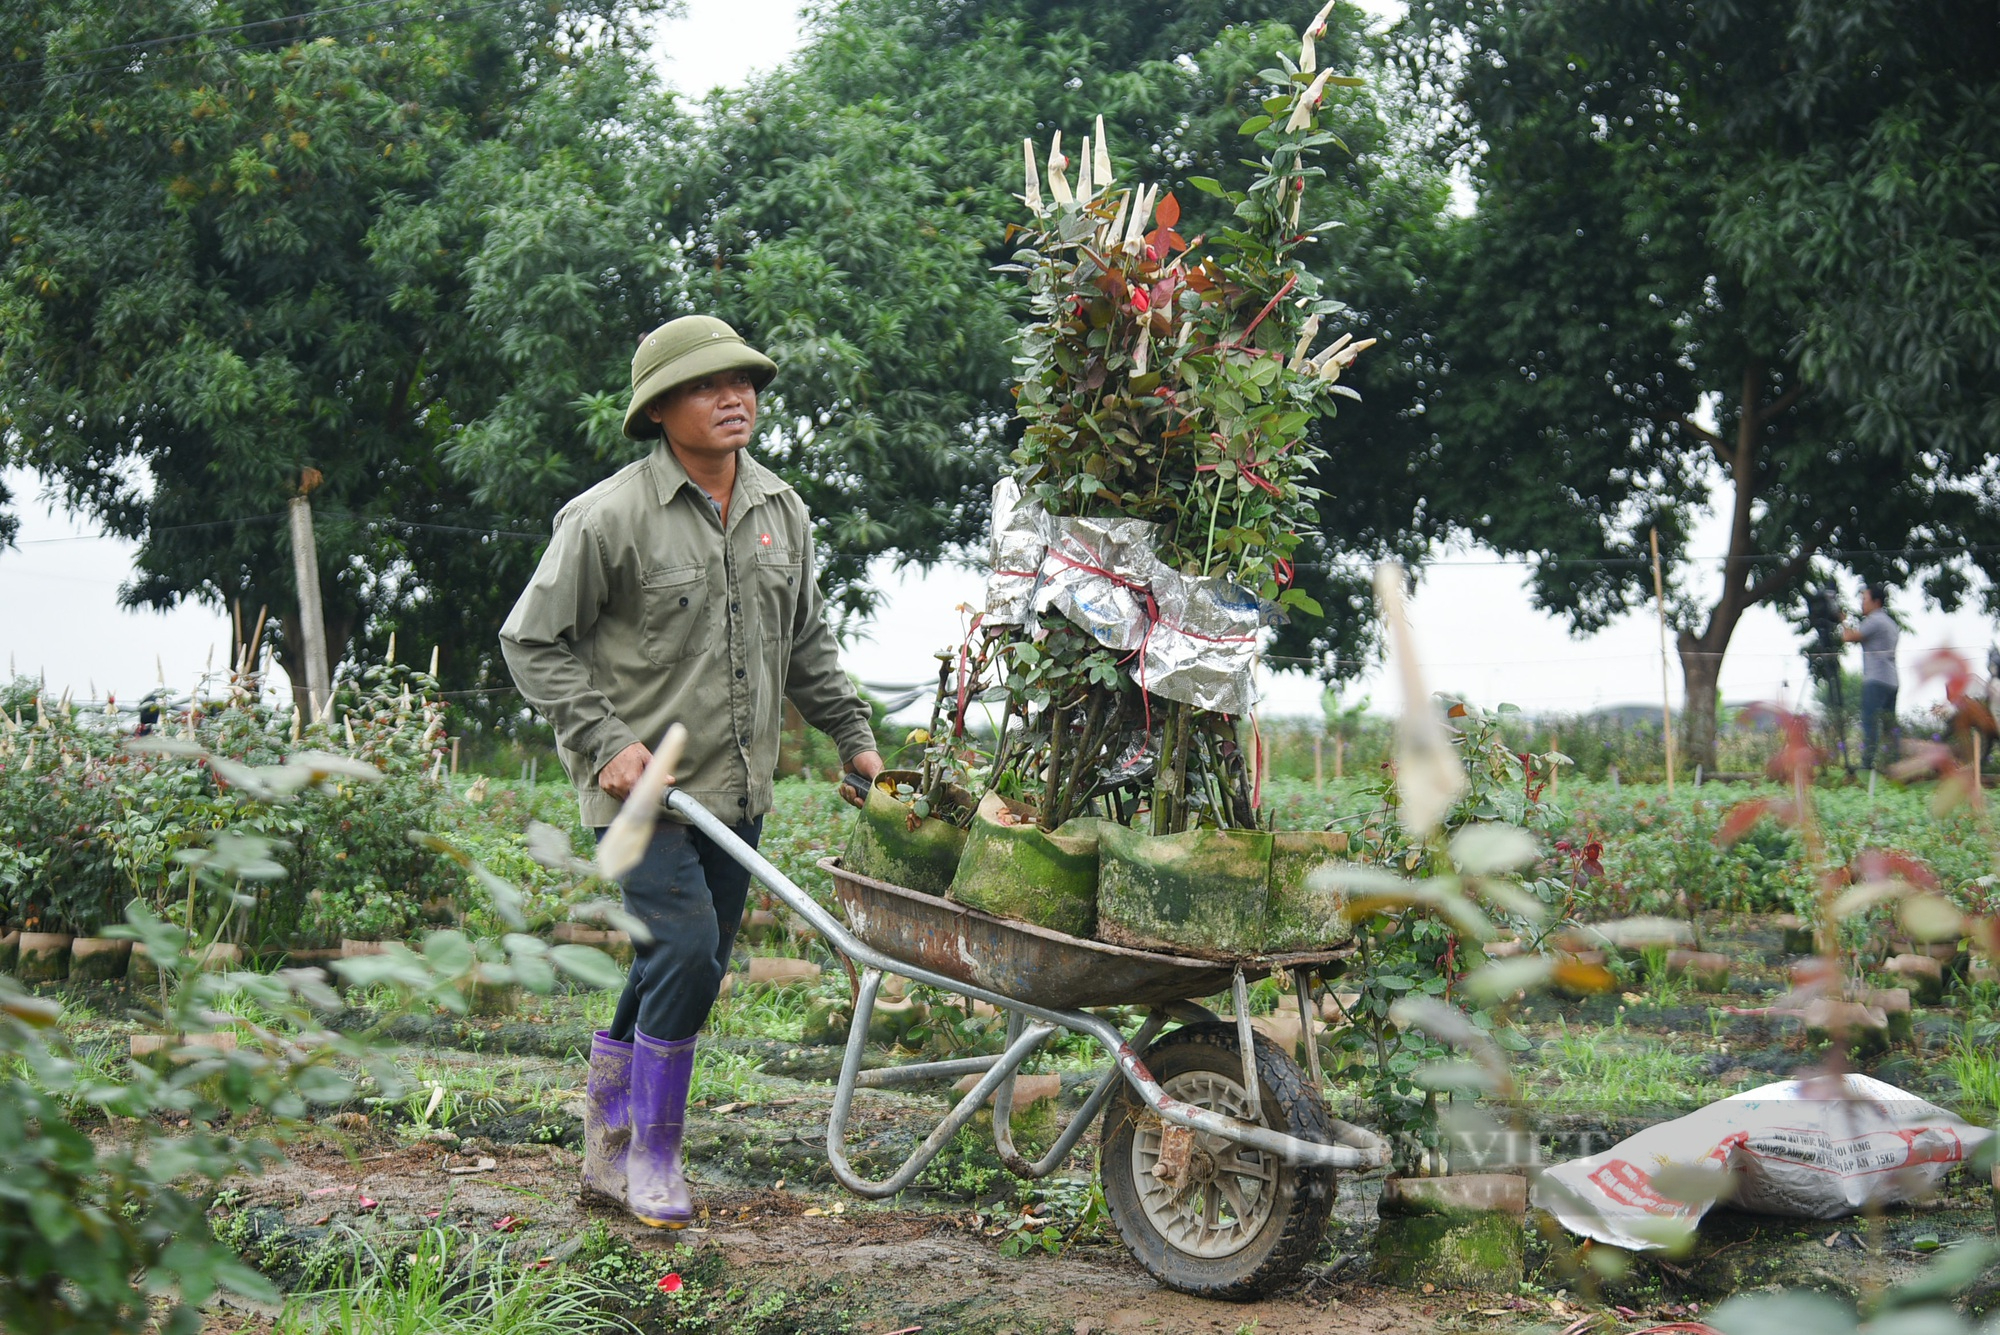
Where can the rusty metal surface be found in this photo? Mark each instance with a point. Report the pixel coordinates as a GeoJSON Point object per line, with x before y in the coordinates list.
{"type": "Point", "coordinates": [1017, 959]}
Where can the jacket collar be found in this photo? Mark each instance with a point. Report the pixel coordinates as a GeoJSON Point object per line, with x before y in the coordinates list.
{"type": "Point", "coordinates": [754, 482]}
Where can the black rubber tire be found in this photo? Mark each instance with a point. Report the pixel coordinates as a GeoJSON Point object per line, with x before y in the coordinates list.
{"type": "Point", "coordinates": [1302, 1197]}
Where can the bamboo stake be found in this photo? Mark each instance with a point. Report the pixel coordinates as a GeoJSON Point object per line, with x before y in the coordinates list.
{"type": "Point", "coordinates": [257, 639]}
{"type": "Point", "coordinates": [1319, 766]}
{"type": "Point", "coordinates": [1666, 701]}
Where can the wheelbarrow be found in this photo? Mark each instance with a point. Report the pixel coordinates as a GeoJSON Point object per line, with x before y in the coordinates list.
{"type": "Point", "coordinates": [1217, 1153]}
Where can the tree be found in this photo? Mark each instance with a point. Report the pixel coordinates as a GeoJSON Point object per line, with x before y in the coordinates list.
{"type": "Point", "coordinates": [413, 253]}
{"type": "Point", "coordinates": [384, 246]}
{"type": "Point", "coordinates": [852, 205]}
{"type": "Point", "coordinates": [1641, 322]}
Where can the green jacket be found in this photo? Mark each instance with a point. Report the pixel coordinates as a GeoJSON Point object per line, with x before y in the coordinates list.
{"type": "Point", "coordinates": [645, 611]}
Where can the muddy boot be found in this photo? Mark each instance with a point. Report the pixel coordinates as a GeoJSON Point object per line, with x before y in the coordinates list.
{"type": "Point", "coordinates": [607, 1117]}
{"type": "Point", "coordinates": [655, 1187]}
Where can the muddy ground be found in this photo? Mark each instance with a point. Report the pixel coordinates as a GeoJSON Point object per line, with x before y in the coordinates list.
{"type": "Point", "coordinates": [784, 1250]}
{"type": "Point", "coordinates": [781, 1249]}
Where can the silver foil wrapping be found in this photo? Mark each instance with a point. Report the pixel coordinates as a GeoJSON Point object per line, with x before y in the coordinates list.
{"type": "Point", "coordinates": [1187, 639]}
{"type": "Point", "coordinates": [1016, 554]}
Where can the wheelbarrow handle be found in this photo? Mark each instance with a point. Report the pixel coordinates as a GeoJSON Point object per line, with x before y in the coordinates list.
{"type": "Point", "coordinates": [1362, 1149]}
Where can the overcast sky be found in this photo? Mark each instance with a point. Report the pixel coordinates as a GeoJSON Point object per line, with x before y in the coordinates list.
{"type": "Point", "coordinates": [1475, 627]}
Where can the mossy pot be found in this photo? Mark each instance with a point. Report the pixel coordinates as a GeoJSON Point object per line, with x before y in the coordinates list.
{"type": "Point", "coordinates": [890, 843]}
{"type": "Point", "coordinates": [1022, 871]}
{"type": "Point", "coordinates": [1202, 893]}
{"type": "Point", "coordinates": [98, 959]}
{"type": "Point", "coordinates": [1477, 1250]}
{"type": "Point", "coordinates": [1301, 913]}
{"type": "Point", "coordinates": [44, 957]}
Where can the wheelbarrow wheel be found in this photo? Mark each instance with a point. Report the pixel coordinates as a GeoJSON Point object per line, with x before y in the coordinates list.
{"type": "Point", "coordinates": [1203, 1215]}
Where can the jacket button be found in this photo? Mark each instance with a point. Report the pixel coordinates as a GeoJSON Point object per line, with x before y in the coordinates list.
{"type": "Point", "coordinates": [788, 581]}
{"type": "Point", "coordinates": [739, 674]}
{"type": "Point", "coordinates": [746, 739]}
{"type": "Point", "coordinates": [736, 607]}
{"type": "Point", "coordinates": [684, 602]}
{"type": "Point", "coordinates": [742, 801]}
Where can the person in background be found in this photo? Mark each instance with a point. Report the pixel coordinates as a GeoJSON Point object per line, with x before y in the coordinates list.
{"type": "Point", "coordinates": [1877, 635]}
{"type": "Point", "coordinates": [680, 589]}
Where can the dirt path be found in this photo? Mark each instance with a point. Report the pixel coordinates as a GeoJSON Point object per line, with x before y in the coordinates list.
{"type": "Point", "coordinates": [835, 1262]}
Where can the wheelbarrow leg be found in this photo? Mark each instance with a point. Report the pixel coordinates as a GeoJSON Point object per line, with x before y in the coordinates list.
{"type": "Point", "coordinates": [1306, 1018]}
{"type": "Point", "coordinates": [1246, 1040]}
{"type": "Point", "coordinates": [1003, 1106]}
{"type": "Point", "coordinates": [843, 1098]}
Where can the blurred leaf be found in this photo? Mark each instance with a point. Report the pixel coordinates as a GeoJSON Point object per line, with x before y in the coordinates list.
{"type": "Point", "coordinates": [448, 952]}
{"type": "Point", "coordinates": [534, 973]}
{"type": "Point", "coordinates": [589, 966]}
{"type": "Point", "coordinates": [438, 844]}
{"type": "Point", "coordinates": [1932, 918]}
{"type": "Point", "coordinates": [1861, 898]}
{"type": "Point", "coordinates": [1783, 1314]}
{"type": "Point", "coordinates": [1508, 896]}
{"type": "Point", "coordinates": [1577, 976]}
{"type": "Point", "coordinates": [611, 913]}
{"type": "Point", "coordinates": [1456, 1077]}
{"type": "Point", "coordinates": [550, 847]}
{"type": "Point", "coordinates": [1694, 1185]}
{"type": "Point", "coordinates": [505, 896]}
{"type": "Point", "coordinates": [1501, 979]}
{"type": "Point", "coordinates": [396, 964]}
{"type": "Point", "coordinates": [317, 767]}
{"type": "Point", "coordinates": [1491, 848]}
{"type": "Point", "coordinates": [155, 744]}
{"type": "Point", "coordinates": [1954, 1268]}
{"type": "Point", "coordinates": [1636, 933]}
{"type": "Point", "coordinates": [321, 1085]}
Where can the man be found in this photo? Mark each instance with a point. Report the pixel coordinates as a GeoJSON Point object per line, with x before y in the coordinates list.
{"type": "Point", "coordinates": [1877, 635]}
{"type": "Point", "coordinates": [679, 589]}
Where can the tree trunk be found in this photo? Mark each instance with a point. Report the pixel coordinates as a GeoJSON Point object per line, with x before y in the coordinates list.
{"type": "Point", "coordinates": [1701, 669]}
{"type": "Point", "coordinates": [1701, 655]}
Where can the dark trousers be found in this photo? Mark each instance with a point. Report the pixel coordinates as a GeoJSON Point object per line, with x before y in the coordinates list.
{"type": "Point", "coordinates": [1878, 720]}
{"type": "Point", "coordinates": [690, 894]}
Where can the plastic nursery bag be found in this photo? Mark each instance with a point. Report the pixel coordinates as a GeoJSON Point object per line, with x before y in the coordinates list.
{"type": "Point", "coordinates": [1813, 1149]}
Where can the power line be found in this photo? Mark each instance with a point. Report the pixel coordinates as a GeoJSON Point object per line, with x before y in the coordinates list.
{"type": "Point", "coordinates": [167, 528]}
{"type": "Point", "coordinates": [1834, 554]}
{"type": "Point", "coordinates": [1640, 562]}
{"type": "Point", "coordinates": [429, 527]}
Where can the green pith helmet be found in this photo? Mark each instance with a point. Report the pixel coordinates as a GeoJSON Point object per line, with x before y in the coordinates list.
{"type": "Point", "coordinates": [683, 350]}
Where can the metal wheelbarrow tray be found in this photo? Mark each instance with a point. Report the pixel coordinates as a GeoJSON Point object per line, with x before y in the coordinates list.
{"type": "Point", "coordinates": [1217, 1150]}
{"type": "Point", "coordinates": [1016, 959]}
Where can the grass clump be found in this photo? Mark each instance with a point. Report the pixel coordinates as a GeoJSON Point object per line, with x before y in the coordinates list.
{"type": "Point", "coordinates": [1619, 1071]}
{"type": "Point", "coordinates": [445, 1287]}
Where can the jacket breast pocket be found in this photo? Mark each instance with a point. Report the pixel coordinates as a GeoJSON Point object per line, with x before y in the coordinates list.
{"type": "Point", "coordinates": [776, 575]}
{"type": "Point", "coordinates": [675, 609]}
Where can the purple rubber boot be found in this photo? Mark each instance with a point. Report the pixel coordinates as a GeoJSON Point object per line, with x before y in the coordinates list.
{"type": "Point", "coordinates": [607, 1117]}
{"type": "Point", "coordinates": [655, 1187]}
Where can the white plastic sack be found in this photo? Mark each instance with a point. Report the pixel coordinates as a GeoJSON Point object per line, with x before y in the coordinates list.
{"type": "Point", "coordinates": [1809, 1149]}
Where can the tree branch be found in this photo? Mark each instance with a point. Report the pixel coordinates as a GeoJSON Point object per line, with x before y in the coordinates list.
{"type": "Point", "coordinates": [1687, 420]}
{"type": "Point", "coordinates": [1782, 404]}
{"type": "Point", "coordinates": [1787, 574]}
